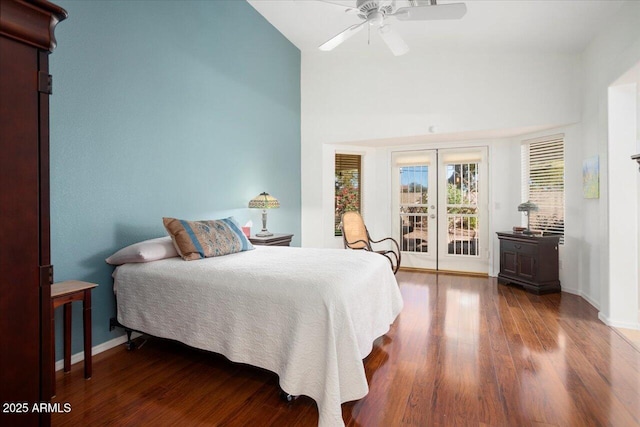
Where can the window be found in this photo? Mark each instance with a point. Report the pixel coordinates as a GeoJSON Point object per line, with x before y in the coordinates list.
{"type": "Point", "coordinates": [462, 208]}
{"type": "Point", "coordinates": [348, 185]}
{"type": "Point", "coordinates": [543, 183]}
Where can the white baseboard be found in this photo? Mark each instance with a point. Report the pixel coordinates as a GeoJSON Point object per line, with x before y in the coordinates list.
{"type": "Point", "coordinates": [581, 294]}
{"type": "Point", "coordinates": [571, 291]}
{"type": "Point", "coordinates": [606, 320]}
{"type": "Point", "coordinates": [590, 300]}
{"type": "Point", "coordinates": [79, 357]}
{"type": "Point", "coordinates": [617, 324]}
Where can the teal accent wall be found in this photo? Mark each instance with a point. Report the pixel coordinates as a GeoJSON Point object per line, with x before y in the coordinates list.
{"type": "Point", "coordinates": [164, 108]}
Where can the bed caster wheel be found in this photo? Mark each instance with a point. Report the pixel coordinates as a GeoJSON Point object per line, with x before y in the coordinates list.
{"type": "Point", "coordinates": [287, 397]}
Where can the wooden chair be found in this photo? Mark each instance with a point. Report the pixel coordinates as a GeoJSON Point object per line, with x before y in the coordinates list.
{"type": "Point", "coordinates": [356, 236]}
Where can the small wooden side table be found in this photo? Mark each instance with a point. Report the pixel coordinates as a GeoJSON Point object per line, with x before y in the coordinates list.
{"type": "Point", "coordinates": [275, 240]}
{"type": "Point", "coordinates": [64, 293]}
{"type": "Point", "coordinates": [530, 261]}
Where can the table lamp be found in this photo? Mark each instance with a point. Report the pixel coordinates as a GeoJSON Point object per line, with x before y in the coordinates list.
{"type": "Point", "coordinates": [264, 201]}
{"type": "Point", "coordinates": [527, 207]}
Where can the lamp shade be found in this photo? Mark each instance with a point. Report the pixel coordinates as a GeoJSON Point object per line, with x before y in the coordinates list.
{"type": "Point", "coordinates": [527, 207]}
{"type": "Point", "coordinates": [264, 201]}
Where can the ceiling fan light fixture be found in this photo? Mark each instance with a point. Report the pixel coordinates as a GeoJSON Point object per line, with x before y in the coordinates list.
{"type": "Point", "coordinates": [375, 18]}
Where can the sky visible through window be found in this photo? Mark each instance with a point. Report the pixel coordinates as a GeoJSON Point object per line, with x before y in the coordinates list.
{"type": "Point", "coordinates": [408, 174]}
{"type": "Point", "coordinates": [415, 175]}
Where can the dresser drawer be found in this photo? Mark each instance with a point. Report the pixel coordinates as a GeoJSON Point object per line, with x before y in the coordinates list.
{"type": "Point", "coordinates": [519, 247]}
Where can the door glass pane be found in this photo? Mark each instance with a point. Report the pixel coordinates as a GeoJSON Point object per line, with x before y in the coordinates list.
{"type": "Point", "coordinates": [414, 211]}
{"type": "Point", "coordinates": [462, 209]}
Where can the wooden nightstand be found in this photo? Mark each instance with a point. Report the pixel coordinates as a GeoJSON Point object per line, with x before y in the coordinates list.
{"type": "Point", "coordinates": [64, 293]}
{"type": "Point", "coordinates": [275, 240]}
{"type": "Point", "coordinates": [530, 261]}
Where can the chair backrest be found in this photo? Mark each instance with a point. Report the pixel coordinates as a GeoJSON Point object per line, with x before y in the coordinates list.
{"type": "Point", "coordinates": [354, 231]}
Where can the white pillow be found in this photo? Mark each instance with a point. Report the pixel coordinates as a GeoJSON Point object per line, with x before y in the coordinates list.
{"type": "Point", "coordinates": [145, 251]}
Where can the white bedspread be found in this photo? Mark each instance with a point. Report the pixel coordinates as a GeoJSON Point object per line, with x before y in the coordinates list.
{"type": "Point", "coordinates": [309, 315]}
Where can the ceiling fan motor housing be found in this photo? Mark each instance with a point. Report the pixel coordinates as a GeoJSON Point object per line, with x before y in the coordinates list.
{"type": "Point", "coordinates": [373, 10]}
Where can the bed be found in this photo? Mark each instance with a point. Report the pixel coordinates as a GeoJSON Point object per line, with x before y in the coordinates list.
{"type": "Point", "coordinates": [309, 315]}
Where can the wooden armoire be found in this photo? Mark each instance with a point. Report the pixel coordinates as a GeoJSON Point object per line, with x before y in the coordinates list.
{"type": "Point", "coordinates": [26, 39]}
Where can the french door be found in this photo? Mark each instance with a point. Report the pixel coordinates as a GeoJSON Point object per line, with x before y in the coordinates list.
{"type": "Point", "coordinates": [440, 208]}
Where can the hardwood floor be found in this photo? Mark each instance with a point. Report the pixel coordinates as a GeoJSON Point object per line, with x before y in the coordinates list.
{"type": "Point", "coordinates": [464, 351]}
{"type": "Point", "coordinates": [631, 335]}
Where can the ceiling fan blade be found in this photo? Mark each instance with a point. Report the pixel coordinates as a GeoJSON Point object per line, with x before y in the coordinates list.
{"type": "Point", "coordinates": [340, 38]}
{"type": "Point", "coordinates": [393, 40]}
{"type": "Point", "coordinates": [431, 12]}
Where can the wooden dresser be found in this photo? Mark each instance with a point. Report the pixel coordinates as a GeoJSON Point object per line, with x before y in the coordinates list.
{"type": "Point", "coordinates": [530, 261]}
{"type": "Point", "coordinates": [26, 39]}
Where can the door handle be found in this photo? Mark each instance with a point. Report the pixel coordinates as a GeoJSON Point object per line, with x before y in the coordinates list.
{"type": "Point", "coordinates": [432, 216]}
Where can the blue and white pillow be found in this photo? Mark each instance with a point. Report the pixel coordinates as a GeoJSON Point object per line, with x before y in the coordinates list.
{"type": "Point", "coordinates": [204, 239]}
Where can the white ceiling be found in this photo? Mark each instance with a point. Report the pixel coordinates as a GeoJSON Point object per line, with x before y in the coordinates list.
{"type": "Point", "coordinates": [551, 26]}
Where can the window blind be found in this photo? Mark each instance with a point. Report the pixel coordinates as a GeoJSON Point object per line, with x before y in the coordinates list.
{"type": "Point", "coordinates": [347, 186]}
{"type": "Point", "coordinates": [543, 183]}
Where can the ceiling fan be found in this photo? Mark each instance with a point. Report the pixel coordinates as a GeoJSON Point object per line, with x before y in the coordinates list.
{"type": "Point", "coordinates": [375, 12]}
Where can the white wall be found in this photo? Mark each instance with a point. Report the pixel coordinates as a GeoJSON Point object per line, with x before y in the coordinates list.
{"type": "Point", "coordinates": [503, 198]}
{"type": "Point", "coordinates": [369, 200]}
{"type": "Point", "coordinates": [624, 198]}
{"type": "Point", "coordinates": [360, 99]}
{"type": "Point", "coordinates": [609, 56]}
{"type": "Point", "coordinates": [574, 243]}
{"type": "Point", "coordinates": [349, 99]}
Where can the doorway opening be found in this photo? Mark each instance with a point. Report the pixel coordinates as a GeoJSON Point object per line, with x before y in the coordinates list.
{"type": "Point", "coordinates": [440, 208]}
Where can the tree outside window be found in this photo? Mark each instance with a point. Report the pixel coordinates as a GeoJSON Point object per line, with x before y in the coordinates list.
{"type": "Point", "coordinates": [347, 186]}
